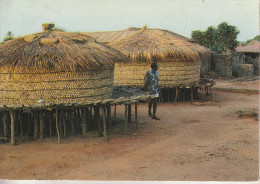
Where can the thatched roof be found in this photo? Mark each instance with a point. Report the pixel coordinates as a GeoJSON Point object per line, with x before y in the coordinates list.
{"type": "Point", "coordinates": [57, 51]}
{"type": "Point", "coordinates": [251, 47]}
{"type": "Point", "coordinates": [151, 45]}
{"type": "Point", "coordinates": [112, 36]}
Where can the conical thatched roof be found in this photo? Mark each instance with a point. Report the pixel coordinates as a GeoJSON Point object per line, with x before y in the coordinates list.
{"type": "Point", "coordinates": [57, 51]}
{"type": "Point", "coordinates": [151, 45]}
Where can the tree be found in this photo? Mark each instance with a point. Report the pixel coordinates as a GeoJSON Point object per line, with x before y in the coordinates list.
{"type": "Point", "coordinates": [220, 39]}
{"type": "Point", "coordinates": [9, 36]}
{"type": "Point", "coordinates": [198, 36]}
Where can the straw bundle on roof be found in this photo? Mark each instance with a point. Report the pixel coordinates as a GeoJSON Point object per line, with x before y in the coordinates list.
{"type": "Point", "coordinates": [179, 63]}
{"type": "Point", "coordinates": [56, 66]}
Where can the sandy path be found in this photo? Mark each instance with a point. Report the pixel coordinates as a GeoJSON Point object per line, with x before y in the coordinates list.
{"type": "Point", "coordinates": [191, 142]}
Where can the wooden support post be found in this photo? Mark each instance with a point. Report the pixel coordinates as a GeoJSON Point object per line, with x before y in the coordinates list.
{"type": "Point", "coordinates": [98, 119]}
{"type": "Point", "coordinates": [12, 116]}
{"type": "Point", "coordinates": [29, 127]}
{"type": "Point", "coordinates": [191, 94]}
{"type": "Point", "coordinates": [64, 124]}
{"type": "Point", "coordinates": [20, 122]}
{"type": "Point", "coordinates": [104, 122]}
{"type": "Point", "coordinates": [41, 114]}
{"type": "Point", "coordinates": [126, 118]}
{"type": "Point", "coordinates": [72, 121]}
{"type": "Point", "coordinates": [109, 122]}
{"type": "Point", "coordinates": [176, 95]}
{"type": "Point", "coordinates": [36, 125]}
{"type": "Point", "coordinates": [5, 123]}
{"type": "Point", "coordinates": [129, 113]}
{"type": "Point", "coordinates": [50, 123]}
{"type": "Point", "coordinates": [57, 124]}
{"type": "Point", "coordinates": [115, 112]}
{"type": "Point", "coordinates": [168, 94]}
{"type": "Point", "coordinates": [90, 116]}
{"type": "Point", "coordinates": [84, 120]}
{"type": "Point", "coordinates": [60, 122]}
{"type": "Point", "coordinates": [136, 126]}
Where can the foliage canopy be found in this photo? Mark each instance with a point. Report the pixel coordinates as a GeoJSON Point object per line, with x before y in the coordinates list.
{"type": "Point", "coordinates": [220, 39]}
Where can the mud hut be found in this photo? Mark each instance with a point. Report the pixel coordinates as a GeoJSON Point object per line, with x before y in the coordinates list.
{"type": "Point", "coordinates": [55, 67]}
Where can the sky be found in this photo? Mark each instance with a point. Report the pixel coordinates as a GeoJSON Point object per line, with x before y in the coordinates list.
{"type": "Point", "coordinates": [23, 17]}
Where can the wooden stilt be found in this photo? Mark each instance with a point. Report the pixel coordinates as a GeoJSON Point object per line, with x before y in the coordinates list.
{"type": "Point", "coordinates": [88, 118]}
{"type": "Point", "coordinates": [72, 121]}
{"type": "Point", "coordinates": [5, 123]}
{"type": "Point", "coordinates": [29, 127]}
{"type": "Point", "coordinates": [176, 95]}
{"type": "Point", "coordinates": [168, 95]}
{"type": "Point", "coordinates": [191, 94]}
{"type": "Point", "coordinates": [98, 118]}
{"type": "Point", "coordinates": [126, 118]}
{"type": "Point", "coordinates": [64, 124]}
{"type": "Point", "coordinates": [104, 121]}
{"type": "Point", "coordinates": [12, 116]}
{"type": "Point", "coordinates": [115, 112]}
{"type": "Point", "coordinates": [109, 122]}
{"type": "Point", "coordinates": [136, 123]}
{"type": "Point", "coordinates": [41, 114]}
{"type": "Point", "coordinates": [83, 120]}
{"type": "Point", "coordinates": [57, 124]}
{"type": "Point", "coordinates": [60, 122]}
{"type": "Point", "coordinates": [50, 123]}
{"type": "Point", "coordinates": [36, 125]}
{"type": "Point", "coordinates": [20, 122]}
{"type": "Point", "coordinates": [129, 113]}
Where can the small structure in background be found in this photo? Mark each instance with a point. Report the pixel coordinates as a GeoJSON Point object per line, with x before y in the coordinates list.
{"type": "Point", "coordinates": [251, 53]}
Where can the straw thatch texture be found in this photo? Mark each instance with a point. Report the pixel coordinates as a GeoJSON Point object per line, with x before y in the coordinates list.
{"type": "Point", "coordinates": [56, 66]}
{"type": "Point", "coordinates": [174, 74]}
{"type": "Point", "coordinates": [179, 64]}
{"type": "Point", "coordinates": [56, 87]}
{"type": "Point", "coordinates": [152, 45]}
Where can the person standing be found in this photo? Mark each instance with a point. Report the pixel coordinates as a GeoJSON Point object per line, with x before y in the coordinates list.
{"type": "Point", "coordinates": [151, 87]}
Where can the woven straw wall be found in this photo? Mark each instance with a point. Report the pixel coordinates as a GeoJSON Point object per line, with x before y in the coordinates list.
{"type": "Point", "coordinates": [171, 74]}
{"type": "Point", "coordinates": [61, 87]}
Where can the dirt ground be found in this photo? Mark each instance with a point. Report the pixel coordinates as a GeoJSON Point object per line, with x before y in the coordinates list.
{"type": "Point", "coordinates": [204, 141]}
